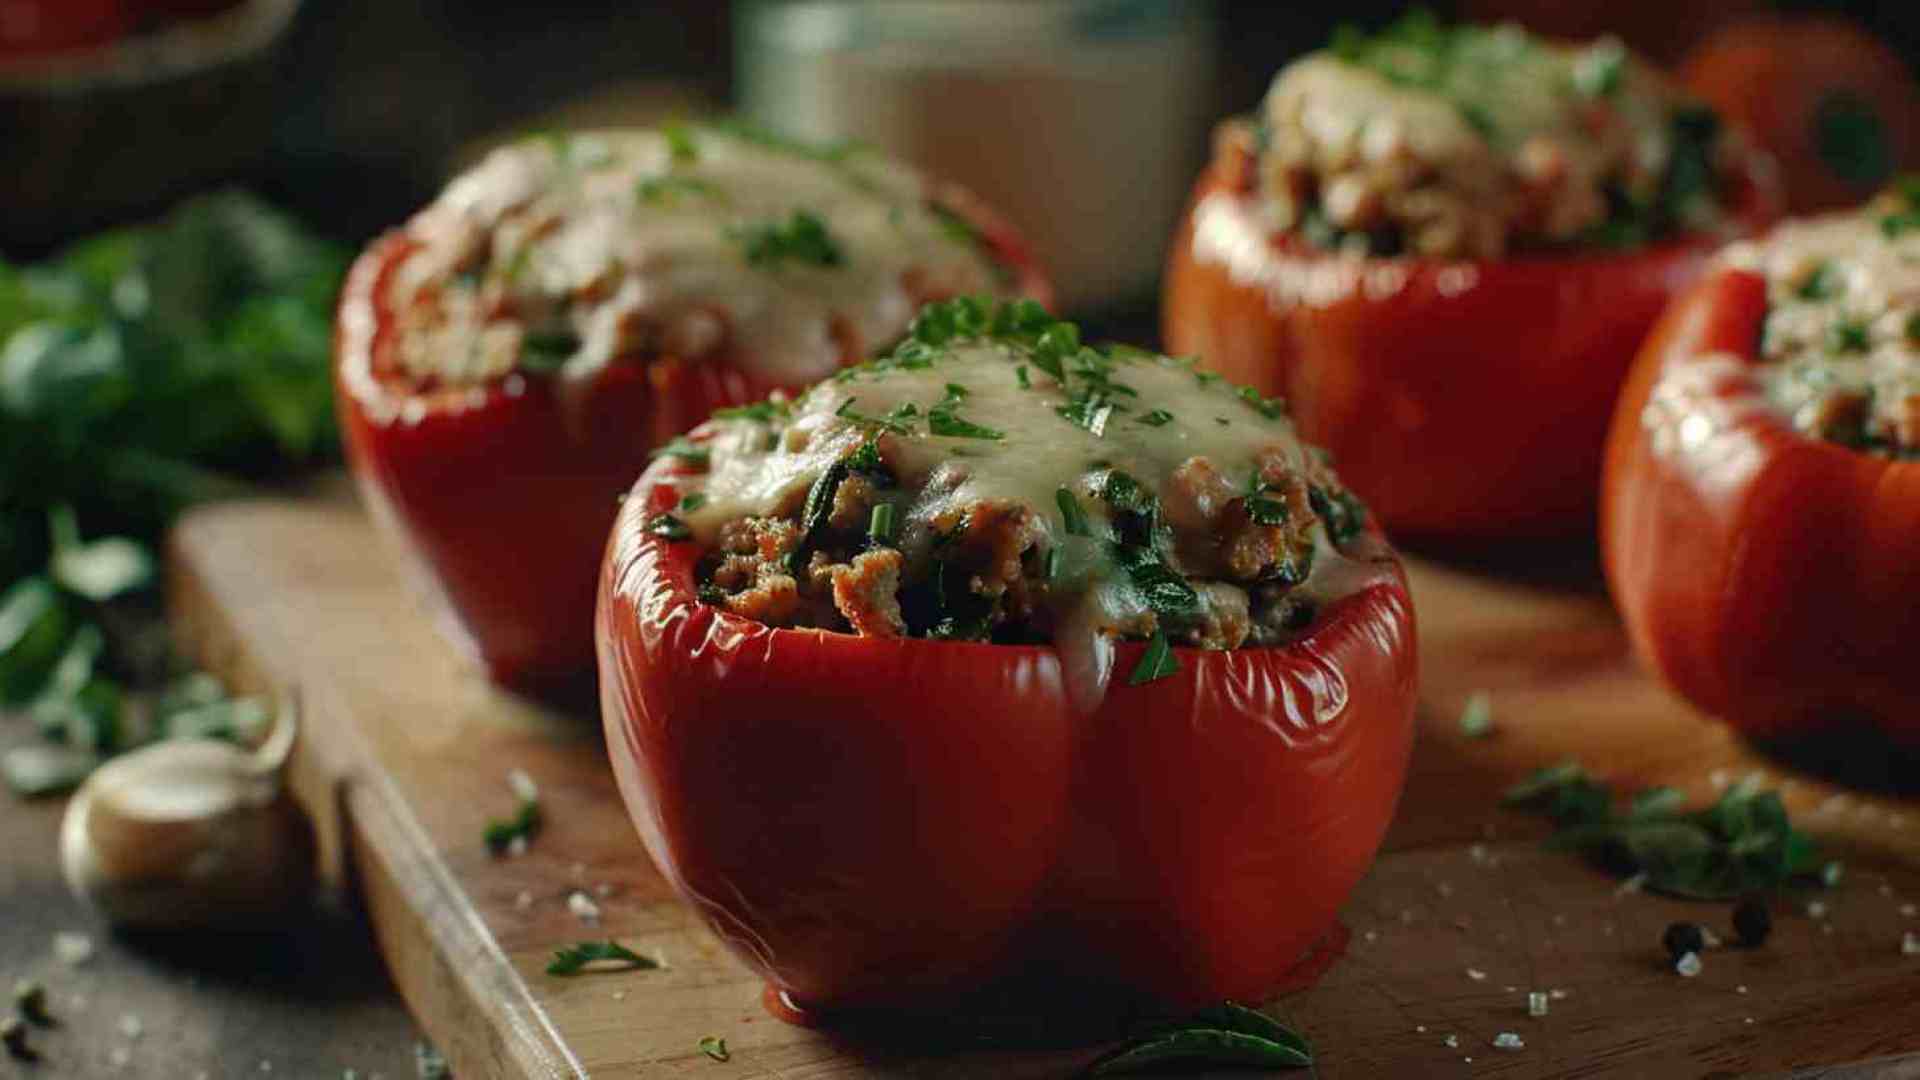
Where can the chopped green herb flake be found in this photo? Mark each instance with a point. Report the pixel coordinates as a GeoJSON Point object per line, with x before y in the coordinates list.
{"type": "Point", "coordinates": [1020, 376]}
{"type": "Point", "coordinates": [1848, 336]}
{"type": "Point", "coordinates": [715, 1047]}
{"type": "Point", "coordinates": [1157, 662]}
{"type": "Point", "coordinates": [1476, 717]}
{"type": "Point", "coordinates": [1155, 418]}
{"type": "Point", "coordinates": [662, 190]}
{"type": "Point", "coordinates": [691, 501]}
{"type": "Point", "coordinates": [542, 351]}
{"type": "Point", "coordinates": [943, 419]}
{"type": "Point", "coordinates": [680, 144]}
{"type": "Point", "coordinates": [1821, 283]}
{"type": "Point", "coordinates": [1073, 516]}
{"type": "Point", "coordinates": [1599, 68]}
{"type": "Point", "coordinates": [685, 450]}
{"type": "Point", "coordinates": [502, 832]}
{"type": "Point", "coordinates": [578, 958]}
{"type": "Point", "coordinates": [802, 238]}
{"type": "Point", "coordinates": [1267, 512]}
{"type": "Point", "coordinates": [1740, 844]}
{"type": "Point", "coordinates": [761, 412]}
{"type": "Point", "coordinates": [881, 524]}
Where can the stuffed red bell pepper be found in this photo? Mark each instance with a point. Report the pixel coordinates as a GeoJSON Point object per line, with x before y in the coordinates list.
{"type": "Point", "coordinates": [1443, 245]}
{"type": "Point", "coordinates": [1761, 522]}
{"type": "Point", "coordinates": [1003, 660]}
{"type": "Point", "coordinates": [508, 360]}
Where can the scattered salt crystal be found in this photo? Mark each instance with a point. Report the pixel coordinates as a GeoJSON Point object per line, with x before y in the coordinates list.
{"type": "Point", "coordinates": [516, 847]}
{"type": "Point", "coordinates": [1476, 975]}
{"type": "Point", "coordinates": [1910, 944]}
{"type": "Point", "coordinates": [120, 1057]}
{"type": "Point", "coordinates": [603, 890]}
{"type": "Point", "coordinates": [523, 786]}
{"type": "Point", "coordinates": [1507, 1040]}
{"type": "Point", "coordinates": [1632, 885]}
{"type": "Point", "coordinates": [523, 900]}
{"type": "Point", "coordinates": [1477, 852]}
{"type": "Point", "coordinates": [1688, 965]}
{"type": "Point", "coordinates": [1720, 778]}
{"type": "Point", "coordinates": [265, 1065]}
{"type": "Point", "coordinates": [1749, 1020]}
{"type": "Point", "coordinates": [1816, 909]}
{"type": "Point", "coordinates": [1536, 1003]}
{"type": "Point", "coordinates": [1420, 1029]}
{"type": "Point", "coordinates": [1371, 936]}
{"type": "Point", "coordinates": [619, 995]}
{"type": "Point", "coordinates": [1557, 994]}
{"type": "Point", "coordinates": [131, 1027]}
{"type": "Point", "coordinates": [72, 949]}
{"type": "Point", "coordinates": [1709, 938]}
{"type": "Point", "coordinates": [1559, 920]}
{"type": "Point", "coordinates": [583, 907]}
{"type": "Point", "coordinates": [1741, 989]}
{"type": "Point", "coordinates": [1909, 910]}
{"type": "Point", "coordinates": [1508, 989]}
{"type": "Point", "coordinates": [1444, 889]}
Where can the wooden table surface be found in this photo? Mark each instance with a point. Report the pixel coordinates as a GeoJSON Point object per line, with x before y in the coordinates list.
{"type": "Point", "coordinates": [312, 1002]}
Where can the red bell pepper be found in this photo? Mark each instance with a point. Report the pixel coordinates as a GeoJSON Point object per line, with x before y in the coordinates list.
{"type": "Point", "coordinates": [1464, 401]}
{"type": "Point", "coordinates": [501, 495]}
{"type": "Point", "coordinates": [1771, 578]}
{"type": "Point", "coordinates": [898, 823]}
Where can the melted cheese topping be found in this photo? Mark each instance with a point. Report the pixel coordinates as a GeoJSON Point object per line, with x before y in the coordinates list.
{"type": "Point", "coordinates": [1189, 440]}
{"type": "Point", "coordinates": [1470, 143]}
{"type": "Point", "coordinates": [577, 251]}
{"type": "Point", "coordinates": [1841, 346]}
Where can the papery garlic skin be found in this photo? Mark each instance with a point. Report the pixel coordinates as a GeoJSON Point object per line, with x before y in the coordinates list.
{"type": "Point", "coordinates": [188, 832]}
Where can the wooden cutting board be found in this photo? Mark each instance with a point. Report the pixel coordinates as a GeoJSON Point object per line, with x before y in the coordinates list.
{"type": "Point", "coordinates": [404, 754]}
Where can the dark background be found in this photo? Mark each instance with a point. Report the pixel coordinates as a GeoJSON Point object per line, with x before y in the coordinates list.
{"type": "Point", "coordinates": [377, 97]}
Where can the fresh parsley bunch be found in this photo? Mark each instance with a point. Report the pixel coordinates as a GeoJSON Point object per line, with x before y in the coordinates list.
{"type": "Point", "coordinates": [1742, 843]}
{"type": "Point", "coordinates": [142, 370]}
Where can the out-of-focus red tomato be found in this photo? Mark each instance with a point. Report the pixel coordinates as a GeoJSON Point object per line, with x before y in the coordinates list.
{"type": "Point", "coordinates": [503, 494]}
{"type": "Point", "coordinates": [153, 12]}
{"type": "Point", "coordinates": [898, 823]}
{"type": "Point", "coordinates": [1835, 105]}
{"type": "Point", "coordinates": [1772, 579]}
{"type": "Point", "coordinates": [1464, 401]}
{"type": "Point", "coordinates": [44, 27]}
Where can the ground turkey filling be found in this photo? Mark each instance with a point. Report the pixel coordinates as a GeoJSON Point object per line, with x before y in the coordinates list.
{"type": "Point", "coordinates": [994, 480]}
{"type": "Point", "coordinates": [1472, 142]}
{"type": "Point", "coordinates": [1840, 350]}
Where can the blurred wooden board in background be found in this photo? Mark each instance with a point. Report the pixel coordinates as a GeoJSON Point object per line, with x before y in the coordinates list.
{"type": "Point", "coordinates": [405, 751]}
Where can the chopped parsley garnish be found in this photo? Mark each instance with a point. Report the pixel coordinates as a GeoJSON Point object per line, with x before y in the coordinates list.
{"type": "Point", "coordinates": [1272, 408]}
{"type": "Point", "coordinates": [1343, 514]}
{"type": "Point", "coordinates": [547, 350]}
{"type": "Point", "coordinates": [578, 958]}
{"type": "Point", "coordinates": [668, 527]}
{"type": "Point", "coordinates": [818, 508]}
{"type": "Point", "coordinates": [747, 131]}
{"type": "Point", "coordinates": [1073, 516]}
{"type": "Point", "coordinates": [1020, 376]}
{"type": "Point", "coordinates": [944, 419]}
{"type": "Point", "coordinates": [715, 1047]}
{"type": "Point", "coordinates": [502, 832]}
{"type": "Point", "coordinates": [1225, 1036]}
{"type": "Point", "coordinates": [802, 238]}
{"type": "Point", "coordinates": [1742, 843]}
{"type": "Point", "coordinates": [659, 190]}
{"type": "Point", "coordinates": [1821, 283]}
{"type": "Point", "coordinates": [1267, 512]}
{"type": "Point", "coordinates": [1848, 336]}
{"type": "Point", "coordinates": [896, 420]}
{"type": "Point", "coordinates": [680, 145]}
{"type": "Point", "coordinates": [1599, 68]}
{"type": "Point", "coordinates": [880, 525]}
{"type": "Point", "coordinates": [761, 412]}
{"type": "Point", "coordinates": [1476, 717]}
{"type": "Point", "coordinates": [1154, 418]}
{"type": "Point", "coordinates": [685, 449]}
{"type": "Point", "coordinates": [1157, 662]}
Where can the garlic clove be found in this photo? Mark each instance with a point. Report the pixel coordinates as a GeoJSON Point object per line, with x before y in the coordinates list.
{"type": "Point", "coordinates": [189, 831]}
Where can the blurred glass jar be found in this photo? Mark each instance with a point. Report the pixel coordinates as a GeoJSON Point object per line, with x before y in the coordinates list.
{"type": "Point", "coordinates": [1083, 120]}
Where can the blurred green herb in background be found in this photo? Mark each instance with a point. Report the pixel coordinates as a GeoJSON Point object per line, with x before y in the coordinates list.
{"type": "Point", "coordinates": [142, 370]}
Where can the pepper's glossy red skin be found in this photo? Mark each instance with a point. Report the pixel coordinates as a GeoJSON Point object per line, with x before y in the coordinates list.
{"type": "Point", "coordinates": [1464, 401]}
{"type": "Point", "coordinates": [900, 824]}
{"type": "Point", "coordinates": [501, 496]}
{"type": "Point", "coordinates": [1772, 579]}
